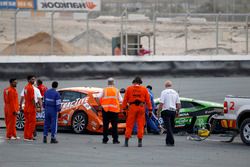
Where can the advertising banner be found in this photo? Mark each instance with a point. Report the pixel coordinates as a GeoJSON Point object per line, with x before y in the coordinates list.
{"type": "Point", "coordinates": [25, 4]}
{"type": "Point", "coordinates": [7, 4]}
{"type": "Point", "coordinates": [69, 5]}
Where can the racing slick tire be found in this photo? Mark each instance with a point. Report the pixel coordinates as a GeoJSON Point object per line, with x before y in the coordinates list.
{"type": "Point", "coordinates": [245, 131]}
{"type": "Point", "coordinates": [79, 122]}
{"type": "Point", "coordinates": [215, 126]}
{"type": "Point", "coordinates": [20, 121]}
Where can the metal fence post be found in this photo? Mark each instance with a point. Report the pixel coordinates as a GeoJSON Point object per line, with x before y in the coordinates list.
{"type": "Point", "coordinates": [217, 33]}
{"type": "Point", "coordinates": [15, 31]}
{"type": "Point", "coordinates": [87, 34]}
{"type": "Point", "coordinates": [247, 34]}
{"type": "Point", "coordinates": [126, 40]}
{"type": "Point", "coordinates": [154, 30]}
{"type": "Point", "coordinates": [186, 33]}
{"type": "Point", "coordinates": [121, 37]}
{"type": "Point", "coordinates": [52, 34]}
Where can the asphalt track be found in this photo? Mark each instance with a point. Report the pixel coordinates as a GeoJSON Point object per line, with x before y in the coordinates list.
{"type": "Point", "coordinates": [76, 150]}
{"type": "Point", "coordinates": [204, 88]}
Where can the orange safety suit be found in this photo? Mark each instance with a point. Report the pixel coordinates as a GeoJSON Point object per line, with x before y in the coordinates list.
{"type": "Point", "coordinates": [109, 101]}
{"type": "Point", "coordinates": [136, 112]}
{"type": "Point", "coordinates": [11, 107]}
{"type": "Point", "coordinates": [29, 111]}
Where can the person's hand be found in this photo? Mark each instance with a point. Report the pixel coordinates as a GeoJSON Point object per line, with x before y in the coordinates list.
{"type": "Point", "coordinates": [177, 113]}
{"type": "Point", "coordinates": [38, 109]}
{"type": "Point", "coordinates": [150, 114]}
{"type": "Point", "coordinates": [158, 114]}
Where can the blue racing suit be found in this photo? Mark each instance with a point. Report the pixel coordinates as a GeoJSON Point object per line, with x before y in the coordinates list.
{"type": "Point", "coordinates": [152, 123]}
{"type": "Point", "coordinates": [52, 105]}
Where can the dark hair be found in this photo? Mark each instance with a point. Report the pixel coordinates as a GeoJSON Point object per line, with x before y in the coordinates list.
{"type": "Point", "coordinates": [118, 45]}
{"type": "Point", "coordinates": [30, 76]}
{"type": "Point", "coordinates": [12, 80]}
{"type": "Point", "coordinates": [39, 81]}
{"type": "Point", "coordinates": [54, 84]}
{"type": "Point", "coordinates": [149, 87]}
{"type": "Point", "coordinates": [137, 80]}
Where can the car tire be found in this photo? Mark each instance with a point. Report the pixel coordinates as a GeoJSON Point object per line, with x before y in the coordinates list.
{"type": "Point", "coordinates": [20, 121]}
{"type": "Point", "coordinates": [215, 126]}
{"type": "Point", "coordinates": [79, 122]}
{"type": "Point", "coordinates": [245, 131]}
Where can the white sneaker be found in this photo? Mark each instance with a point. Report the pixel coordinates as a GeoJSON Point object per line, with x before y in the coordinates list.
{"type": "Point", "coordinates": [28, 140]}
{"type": "Point", "coordinates": [17, 137]}
{"type": "Point", "coordinates": [12, 138]}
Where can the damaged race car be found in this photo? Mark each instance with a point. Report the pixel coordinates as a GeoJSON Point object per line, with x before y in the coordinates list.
{"type": "Point", "coordinates": [79, 111]}
{"type": "Point", "coordinates": [196, 114]}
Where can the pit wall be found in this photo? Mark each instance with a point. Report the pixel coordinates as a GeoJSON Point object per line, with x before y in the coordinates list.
{"type": "Point", "coordinates": [73, 67]}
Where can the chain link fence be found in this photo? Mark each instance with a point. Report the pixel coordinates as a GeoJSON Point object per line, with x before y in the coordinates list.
{"type": "Point", "coordinates": [176, 27]}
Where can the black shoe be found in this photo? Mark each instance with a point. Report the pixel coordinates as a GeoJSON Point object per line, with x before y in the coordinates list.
{"type": "Point", "coordinates": [53, 141]}
{"type": "Point", "coordinates": [44, 139]}
{"type": "Point", "coordinates": [126, 143]}
{"type": "Point", "coordinates": [34, 133]}
{"type": "Point", "coordinates": [104, 142]}
{"type": "Point", "coordinates": [170, 145]}
{"type": "Point", "coordinates": [116, 142]}
{"type": "Point", "coordinates": [139, 142]}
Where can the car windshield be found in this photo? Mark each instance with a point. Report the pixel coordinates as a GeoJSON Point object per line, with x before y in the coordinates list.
{"type": "Point", "coordinates": [69, 96]}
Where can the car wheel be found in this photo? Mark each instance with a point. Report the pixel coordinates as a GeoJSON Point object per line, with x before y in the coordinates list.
{"type": "Point", "coordinates": [215, 126]}
{"type": "Point", "coordinates": [245, 131]}
{"type": "Point", "coordinates": [20, 121]}
{"type": "Point", "coordinates": [79, 122]}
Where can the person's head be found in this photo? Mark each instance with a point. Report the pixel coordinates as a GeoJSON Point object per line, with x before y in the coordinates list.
{"type": "Point", "coordinates": [111, 81]}
{"type": "Point", "coordinates": [140, 45]}
{"type": "Point", "coordinates": [118, 45]}
{"type": "Point", "coordinates": [168, 83]}
{"type": "Point", "coordinates": [149, 87]}
{"type": "Point", "coordinates": [54, 84]}
{"type": "Point", "coordinates": [39, 82]}
{"type": "Point", "coordinates": [137, 80]}
{"type": "Point", "coordinates": [13, 82]}
{"type": "Point", "coordinates": [31, 79]}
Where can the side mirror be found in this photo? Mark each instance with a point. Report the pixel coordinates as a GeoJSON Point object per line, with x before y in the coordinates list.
{"type": "Point", "coordinates": [122, 90]}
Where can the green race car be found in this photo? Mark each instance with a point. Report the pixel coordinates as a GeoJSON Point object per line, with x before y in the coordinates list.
{"type": "Point", "coordinates": [196, 114]}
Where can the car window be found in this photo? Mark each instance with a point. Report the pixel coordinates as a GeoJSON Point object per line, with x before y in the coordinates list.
{"type": "Point", "coordinates": [69, 96]}
{"type": "Point", "coordinates": [186, 104]}
{"type": "Point", "coordinates": [83, 95]}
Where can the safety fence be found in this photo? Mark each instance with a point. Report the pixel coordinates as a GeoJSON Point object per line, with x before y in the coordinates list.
{"type": "Point", "coordinates": [25, 32]}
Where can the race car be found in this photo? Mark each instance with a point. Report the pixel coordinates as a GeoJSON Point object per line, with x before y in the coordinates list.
{"type": "Point", "coordinates": [79, 111]}
{"type": "Point", "coordinates": [196, 114]}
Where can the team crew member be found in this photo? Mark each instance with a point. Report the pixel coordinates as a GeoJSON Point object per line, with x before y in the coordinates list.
{"type": "Point", "coordinates": [135, 98]}
{"type": "Point", "coordinates": [29, 109]}
{"type": "Point", "coordinates": [42, 88]}
{"type": "Point", "coordinates": [152, 124]}
{"type": "Point", "coordinates": [11, 109]}
{"type": "Point", "coordinates": [110, 102]}
{"type": "Point", "coordinates": [169, 107]}
{"type": "Point", "coordinates": [52, 105]}
{"type": "Point", "coordinates": [38, 102]}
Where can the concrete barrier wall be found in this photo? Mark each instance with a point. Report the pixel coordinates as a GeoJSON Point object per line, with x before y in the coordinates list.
{"type": "Point", "coordinates": [66, 67]}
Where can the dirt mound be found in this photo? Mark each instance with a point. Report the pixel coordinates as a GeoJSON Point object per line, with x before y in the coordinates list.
{"type": "Point", "coordinates": [98, 42]}
{"type": "Point", "coordinates": [39, 44]}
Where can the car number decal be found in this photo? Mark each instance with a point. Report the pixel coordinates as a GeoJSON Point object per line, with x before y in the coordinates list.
{"type": "Point", "coordinates": [40, 115]}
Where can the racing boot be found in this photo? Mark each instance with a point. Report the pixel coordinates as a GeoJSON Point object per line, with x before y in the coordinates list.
{"type": "Point", "coordinates": [126, 142]}
{"type": "Point", "coordinates": [53, 141]}
{"type": "Point", "coordinates": [139, 142]}
{"type": "Point", "coordinates": [44, 139]}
